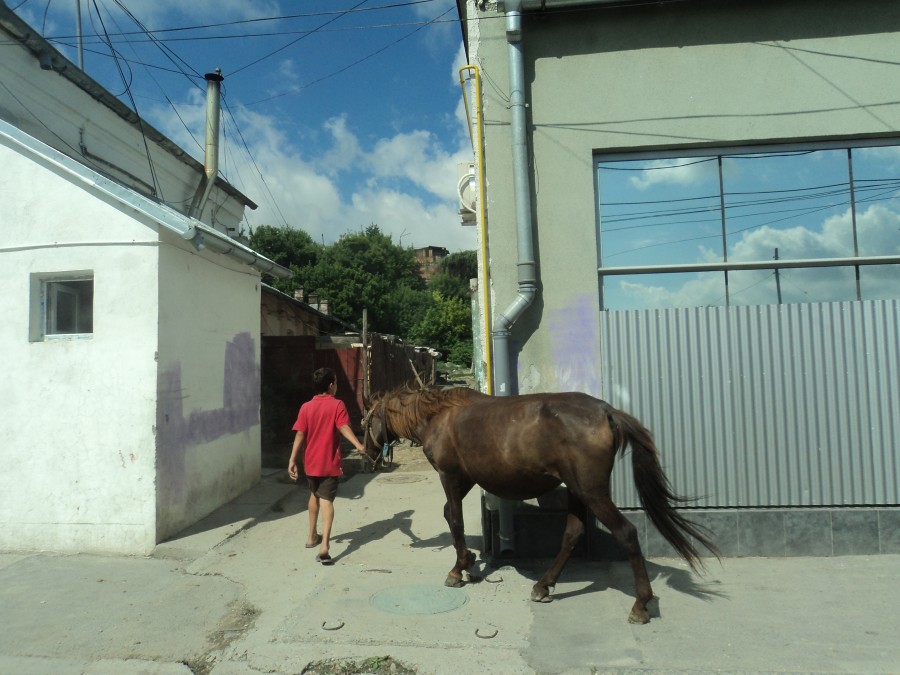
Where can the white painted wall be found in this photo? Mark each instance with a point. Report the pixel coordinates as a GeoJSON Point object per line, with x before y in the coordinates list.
{"type": "Point", "coordinates": [208, 429]}
{"type": "Point", "coordinates": [76, 433]}
{"type": "Point", "coordinates": [120, 439]}
{"type": "Point", "coordinates": [113, 441]}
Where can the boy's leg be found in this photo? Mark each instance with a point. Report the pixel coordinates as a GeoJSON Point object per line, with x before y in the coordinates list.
{"type": "Point", "coordinates": [313, 509]}
{"type": "Point", "coordinates": [327, 508]}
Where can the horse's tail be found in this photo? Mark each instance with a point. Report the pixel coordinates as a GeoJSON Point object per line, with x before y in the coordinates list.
{"type": "Point", "coordinates": [655, 491]}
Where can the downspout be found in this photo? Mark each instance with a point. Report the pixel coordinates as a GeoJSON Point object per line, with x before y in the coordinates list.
{"type": "Point", "coordinates": [211, 152]}
{"type": "Point", "coordinates": [527, 273]}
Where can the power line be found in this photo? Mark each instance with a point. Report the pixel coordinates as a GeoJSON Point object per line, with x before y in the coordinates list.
{"type": "Point", "coordinates": [253, 161]}
{"type": "Point", "coordinates": [293, 42]}
{"type": "Point", "coordinates": [156, 184]}
{"type": "Point", "coordinates": [349, 66]}
{"type": "Point", "coordinates": [224, 24]}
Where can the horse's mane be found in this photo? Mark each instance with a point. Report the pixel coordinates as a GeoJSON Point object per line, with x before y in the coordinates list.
{"type": "Point", "coordinates": [407, 409]}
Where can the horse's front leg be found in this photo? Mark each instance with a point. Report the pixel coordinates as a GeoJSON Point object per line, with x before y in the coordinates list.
{"type": "Point", "coordinates": [455, 488]}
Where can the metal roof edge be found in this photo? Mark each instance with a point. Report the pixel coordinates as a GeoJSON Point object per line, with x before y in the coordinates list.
{"type": "Point", "coordinates": [198, 233]}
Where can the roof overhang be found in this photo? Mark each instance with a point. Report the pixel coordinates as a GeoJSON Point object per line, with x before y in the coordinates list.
{"type": "Point", "coordinates": [191, 229]}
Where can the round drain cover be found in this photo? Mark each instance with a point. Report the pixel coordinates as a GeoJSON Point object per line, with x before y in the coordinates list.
{"type": "Point", "coordinates": [419, 599]}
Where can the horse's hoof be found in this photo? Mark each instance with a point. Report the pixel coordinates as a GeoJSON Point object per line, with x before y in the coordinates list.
{"type": "Point", "coordinates": [454, 582]}
{"type": "Point", "coordinates": [541, 595]}
{"type": "Point", "coordinates": [639, 618]}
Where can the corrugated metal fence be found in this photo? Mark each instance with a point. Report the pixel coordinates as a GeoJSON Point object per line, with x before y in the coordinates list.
{"type": "Point", "coordinates": [764, 405]}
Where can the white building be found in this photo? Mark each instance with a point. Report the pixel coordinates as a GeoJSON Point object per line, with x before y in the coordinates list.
{"type": "Point", "coordinates": [131, 330]}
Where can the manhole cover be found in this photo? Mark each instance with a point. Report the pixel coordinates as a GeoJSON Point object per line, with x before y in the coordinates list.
{"type": "Point", "coordinates": [401, 478]}
{"type": "Point", "coordinates": [419, 599]}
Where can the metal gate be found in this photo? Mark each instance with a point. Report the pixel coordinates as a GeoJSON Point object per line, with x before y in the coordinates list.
{"type": "Point", "coordinates": [792, 405]}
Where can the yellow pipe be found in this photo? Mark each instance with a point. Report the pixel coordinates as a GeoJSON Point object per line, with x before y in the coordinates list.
{"type": "Point", "coordinates": [478, 148]}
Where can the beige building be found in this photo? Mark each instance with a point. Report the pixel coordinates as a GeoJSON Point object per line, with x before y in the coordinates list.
{"type": "Point", "coordinates": [690, 209]}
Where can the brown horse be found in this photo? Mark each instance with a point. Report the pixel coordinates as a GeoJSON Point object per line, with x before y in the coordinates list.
{"type": "Point", "coordinates": [521, 447]}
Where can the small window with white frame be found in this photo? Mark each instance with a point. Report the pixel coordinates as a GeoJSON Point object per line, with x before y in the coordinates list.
{"type": "Point", "coordinates": [62, 305]}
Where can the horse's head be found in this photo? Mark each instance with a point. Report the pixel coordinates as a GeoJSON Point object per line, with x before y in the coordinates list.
{"type": "Point", "coordinates": [376, 431]}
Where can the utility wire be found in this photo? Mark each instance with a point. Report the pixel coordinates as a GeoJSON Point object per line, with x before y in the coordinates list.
{"type": "Point", "coordinates": [156, 184]}
{"type": "Point", "coordinates": [350, 65]}
{"type": "Point", "coordinates": [293, 42]}
{"type": "Point", "coordinates": [253, 161]}
{"type": "Point", "coordinates": [224, 24]}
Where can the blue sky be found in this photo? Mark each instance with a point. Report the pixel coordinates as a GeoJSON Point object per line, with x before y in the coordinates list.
{"type": "Point", "coordinates": [338, 113]}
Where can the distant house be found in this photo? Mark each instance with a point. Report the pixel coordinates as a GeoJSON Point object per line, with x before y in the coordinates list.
{"type": "Point", "coordinates": [429, 260]}
{"type": "Point", "coordinates": [131, 331]}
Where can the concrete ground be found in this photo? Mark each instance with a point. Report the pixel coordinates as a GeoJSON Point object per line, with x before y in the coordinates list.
{"type": "Point", "coordinates": [238, 594]}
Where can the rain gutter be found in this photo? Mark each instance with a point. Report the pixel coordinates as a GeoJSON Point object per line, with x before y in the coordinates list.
{"type": "Point", "coordinates": [526, 266]}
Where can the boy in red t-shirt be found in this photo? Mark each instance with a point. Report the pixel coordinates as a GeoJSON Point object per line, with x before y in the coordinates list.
{"type": "Point", "coordinates": [319, 423]}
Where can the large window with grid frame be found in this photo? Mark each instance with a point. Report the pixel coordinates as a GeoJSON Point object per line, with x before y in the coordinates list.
{"type": "Point", "coordinates": [827, 211]}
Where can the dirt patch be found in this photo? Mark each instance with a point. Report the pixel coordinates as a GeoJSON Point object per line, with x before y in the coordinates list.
{"type": "Point", "coordinates": [378, 665]}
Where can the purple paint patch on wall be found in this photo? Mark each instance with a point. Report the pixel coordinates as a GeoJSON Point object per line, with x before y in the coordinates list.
{"type": "Point", "coordinates": [239, 412]}
{"type": "Point", "coordinates": [575, 339]}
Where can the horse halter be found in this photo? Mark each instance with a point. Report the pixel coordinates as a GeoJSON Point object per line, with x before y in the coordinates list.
{"type": "Point", "coordinates": [368, 434]}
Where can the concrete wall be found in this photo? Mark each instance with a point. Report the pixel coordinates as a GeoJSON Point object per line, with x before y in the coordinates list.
{"type": "Point", "coordinates": [646, 78]}
{"type": "Point", "coordinates": [76, 430]}
{"type": "Point", "coordinates": [207, 421]}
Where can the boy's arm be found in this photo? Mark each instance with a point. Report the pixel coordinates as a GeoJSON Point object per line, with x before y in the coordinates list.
{"type": "Point", "coordinates": [293, 471]}
{"type": "Point", "coordinates": [347, 433]}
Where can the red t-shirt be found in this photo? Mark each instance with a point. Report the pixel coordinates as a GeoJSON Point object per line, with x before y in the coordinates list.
{"type": "Point", "coordinates": [319, 420]}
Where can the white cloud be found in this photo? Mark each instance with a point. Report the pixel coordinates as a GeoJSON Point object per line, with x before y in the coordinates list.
{"type": "Point", "coordinates": [877, 228]}
{"type": "Point", "coordinates": [418, 157]}
{"type": "Point", "coordinates": [674, 171]}
{"type": "Point", "coordinates": [406, 184]}
{"type": "Point", "coordinates": [345, 152]}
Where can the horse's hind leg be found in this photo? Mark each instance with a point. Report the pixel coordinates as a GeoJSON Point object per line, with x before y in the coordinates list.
{"type": "Point", "coordinates": [540, 592]}
{"type": "Point", "coordinates": [456, 488]}
{"type": "Point", "coordinates": [626, 534]}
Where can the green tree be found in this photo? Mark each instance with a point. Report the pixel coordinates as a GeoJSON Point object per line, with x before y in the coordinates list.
{"type": "Point", "coordinates": [407, 306]}
{"type": "Point", "coordinates": [462, 265]}
{"type": "Point", "coordinates": [447, 325]}
{"type": "Point", "coordinates": [454, 273]}
{"type": "Point", "coordinates": [289, 247]}
{"type": "Point", "coordinates": [365, 270]}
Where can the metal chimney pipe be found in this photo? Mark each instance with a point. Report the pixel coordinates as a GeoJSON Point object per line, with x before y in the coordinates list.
{"type": "Point", "coordinates": [211, 153]}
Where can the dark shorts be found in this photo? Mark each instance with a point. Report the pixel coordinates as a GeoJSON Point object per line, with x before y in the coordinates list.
{"type": "Point", "coordinates": [323, 487]}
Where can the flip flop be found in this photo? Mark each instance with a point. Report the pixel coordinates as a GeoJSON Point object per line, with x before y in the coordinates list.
{"type": "Point", "coordinates": [317, 542]}
{"type": "Point", "coordinates": [325, 559]}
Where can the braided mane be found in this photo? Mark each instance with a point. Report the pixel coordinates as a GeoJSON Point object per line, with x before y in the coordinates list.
{"type": "Point", "coordinates": [408, 410]}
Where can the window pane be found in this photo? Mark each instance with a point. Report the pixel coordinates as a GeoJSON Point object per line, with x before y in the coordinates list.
{"type": "Point", "coordinates": [876, 181]}
{"type": "Point", "coordinates": [66, 310]}
{"type": "Point", "coordinates": [797, 204]}
{"type": "Point", "coordinates": [879, 282]}
{"type": "Point", "coordinates": [656, 291]}
{"type": "Point", "coordinates": [70, 307]}
{"type": "Point", "coordinates": [660, 212]}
